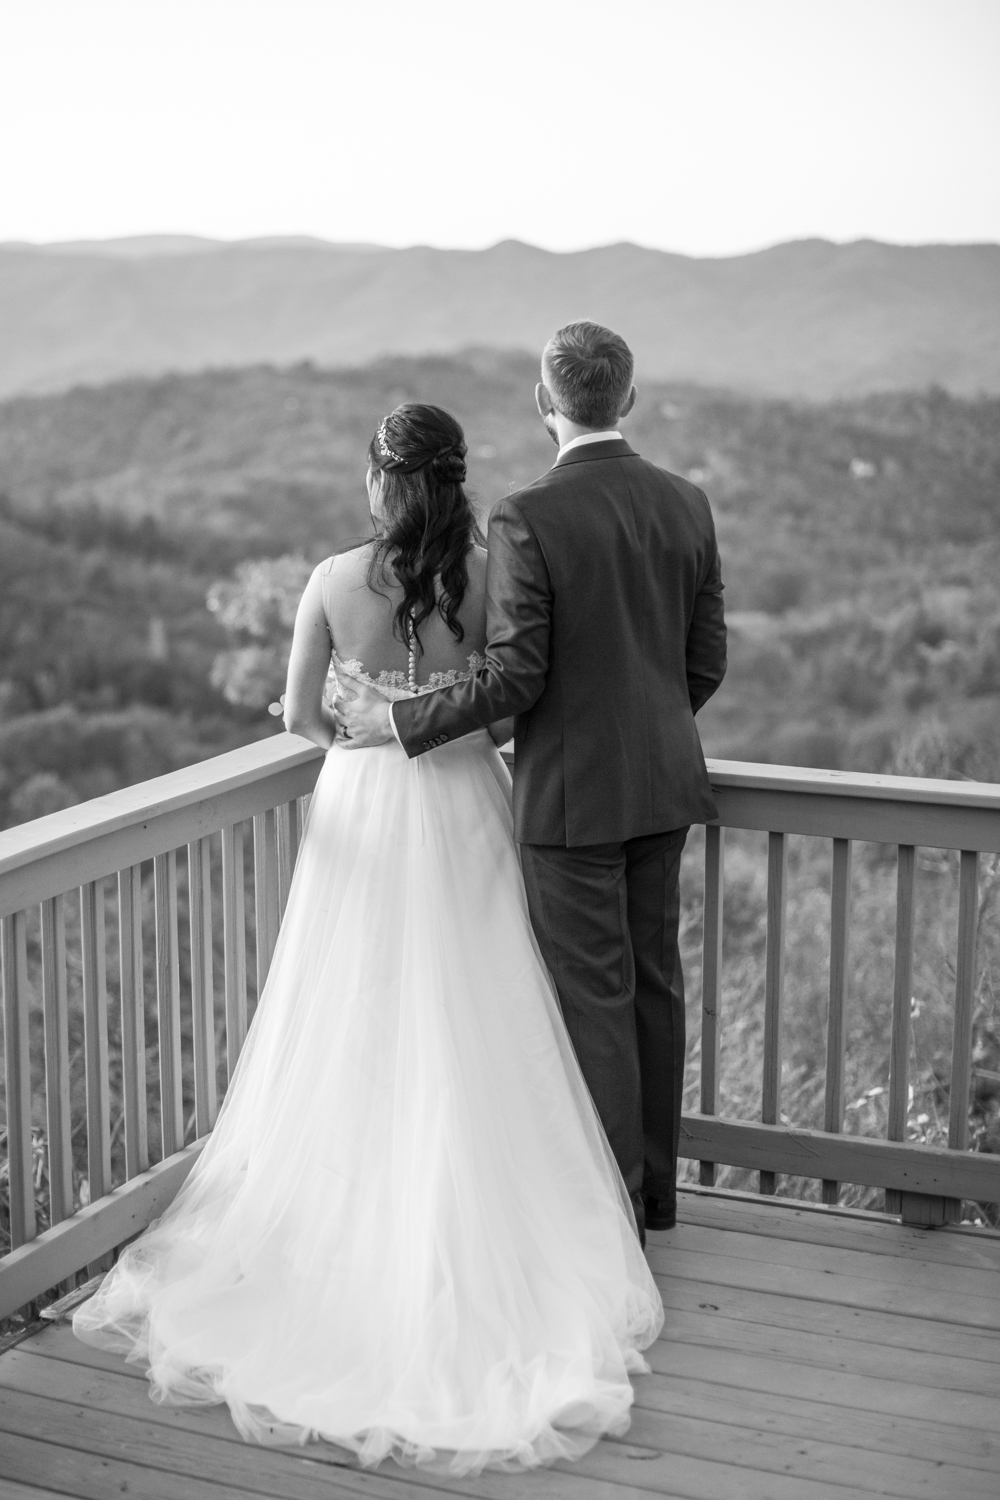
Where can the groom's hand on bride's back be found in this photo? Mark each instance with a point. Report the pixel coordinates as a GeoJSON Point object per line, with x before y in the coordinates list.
{"type": "Point", "coordinates": [362, 719]}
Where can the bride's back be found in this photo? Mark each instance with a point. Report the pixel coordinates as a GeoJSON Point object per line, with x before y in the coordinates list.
{"type": "Point", "coordinates": [361, 616]}
{"type": "Point", "coordinates": [424, 576]}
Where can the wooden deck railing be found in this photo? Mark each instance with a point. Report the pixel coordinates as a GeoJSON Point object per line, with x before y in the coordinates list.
{"type": "Point", "coordinates": [925, 1184]}
{"type": "Point", "coordinates": [113, 836]}
{"type": "Point", "coordinates": [202, 811]}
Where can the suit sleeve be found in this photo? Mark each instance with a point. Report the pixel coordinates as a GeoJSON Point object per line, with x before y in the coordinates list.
{"type": "Point", "coordinates": [706, 640]}
{"type": "Point", "coordinates": [518, 628]}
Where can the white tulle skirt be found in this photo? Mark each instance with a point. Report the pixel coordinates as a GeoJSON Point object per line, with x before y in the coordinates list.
{"type": "Point", "coordinates": [406, 1234]}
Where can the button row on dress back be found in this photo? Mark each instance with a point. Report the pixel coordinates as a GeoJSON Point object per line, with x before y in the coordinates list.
{"type": "Point", "coordinates": [411, 672]}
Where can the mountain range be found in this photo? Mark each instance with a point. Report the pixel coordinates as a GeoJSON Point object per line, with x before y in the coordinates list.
{"type": "Point", "coordinates": [806, 319]}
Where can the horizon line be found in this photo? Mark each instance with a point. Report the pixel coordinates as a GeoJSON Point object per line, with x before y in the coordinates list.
{"type": "Point", "coordinates": [191, 244]}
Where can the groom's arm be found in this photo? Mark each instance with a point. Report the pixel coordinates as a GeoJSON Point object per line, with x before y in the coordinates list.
{"type": "Point", "coordinates": [706, 641]}
{"type": "Point", "coordinates": [518, 627]}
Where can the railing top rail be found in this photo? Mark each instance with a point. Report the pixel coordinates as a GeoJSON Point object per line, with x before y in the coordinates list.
{"type": "Point", "coordinates": [63, 830]}
{"type": "Point", "coordinates": [58, 835]}
{"type": "Point", "coordinates": [749, 776]}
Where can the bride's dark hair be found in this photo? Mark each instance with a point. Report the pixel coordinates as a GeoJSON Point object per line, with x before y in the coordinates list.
{"type": "Point", "coordinates": [427, 524]}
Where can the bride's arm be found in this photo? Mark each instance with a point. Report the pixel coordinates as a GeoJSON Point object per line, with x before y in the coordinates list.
{"type": "Point", "coordinates": [308, 665]}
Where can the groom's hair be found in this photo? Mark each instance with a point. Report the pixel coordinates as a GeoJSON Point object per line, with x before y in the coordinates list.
{"type": "Point", "coordinates": [588, 370]}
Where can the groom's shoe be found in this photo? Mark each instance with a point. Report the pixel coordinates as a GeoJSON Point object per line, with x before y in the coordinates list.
{"type": "Point", "coordinates": [659, 1213]}
{"type": "Point", "coordinates": [638, 1209]}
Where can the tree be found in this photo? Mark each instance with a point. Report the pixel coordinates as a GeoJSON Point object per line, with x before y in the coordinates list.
{"type": "Point", "coordinates": [256, 608]}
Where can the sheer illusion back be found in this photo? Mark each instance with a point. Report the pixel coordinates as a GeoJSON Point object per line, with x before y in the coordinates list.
{"type": "Point", "coordinates": [394, 684]}
{"type": "Point", "coordinates": [365, 649]}
{"type": "Point", "coordinates": [407, 1233]}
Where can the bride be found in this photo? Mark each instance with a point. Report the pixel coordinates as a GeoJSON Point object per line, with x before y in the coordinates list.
{"type": "Point", "coordinates": [407, 1234]}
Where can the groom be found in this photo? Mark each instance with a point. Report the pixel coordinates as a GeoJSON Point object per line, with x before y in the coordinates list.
{"type": "Point", "coordinates": [605, 636]}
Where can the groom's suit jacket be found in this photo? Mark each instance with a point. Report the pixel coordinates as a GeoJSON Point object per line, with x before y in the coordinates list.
{"type": "Point", "coordinates": [605, 636]}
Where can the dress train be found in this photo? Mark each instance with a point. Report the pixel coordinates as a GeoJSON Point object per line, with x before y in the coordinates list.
{"type": "Point", "coordinates": [406, 1234]}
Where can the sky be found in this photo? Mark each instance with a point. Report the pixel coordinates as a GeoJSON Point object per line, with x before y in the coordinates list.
{"type": "Point", "coordinates": [709, 127]}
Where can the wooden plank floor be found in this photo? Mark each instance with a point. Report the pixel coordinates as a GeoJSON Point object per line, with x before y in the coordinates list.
{"type": "Point", "coordinates": [807, 1355]}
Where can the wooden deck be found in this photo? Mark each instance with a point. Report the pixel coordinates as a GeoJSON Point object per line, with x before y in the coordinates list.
{"type": "Point", "coordinates": [806, 1354]}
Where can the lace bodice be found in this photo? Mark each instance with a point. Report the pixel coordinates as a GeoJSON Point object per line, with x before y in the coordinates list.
{"type": "Point", "coordinates": [393, 685]}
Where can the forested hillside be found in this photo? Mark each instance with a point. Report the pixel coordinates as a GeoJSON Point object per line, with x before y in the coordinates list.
{"type": "Point", "coordinates": [859, 539]}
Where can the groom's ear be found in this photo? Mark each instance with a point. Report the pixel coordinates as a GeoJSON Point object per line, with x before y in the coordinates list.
{"type": "Point", "coordinates": [629, 402]}
{"type": "Point", "coordinates": [544, 402]}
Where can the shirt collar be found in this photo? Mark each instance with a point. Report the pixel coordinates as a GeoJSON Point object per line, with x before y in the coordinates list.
{"type": "Point", "coordinates": [588, 437]}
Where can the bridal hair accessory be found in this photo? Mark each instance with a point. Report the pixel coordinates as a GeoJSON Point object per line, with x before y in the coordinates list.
{"type": "Point", "coordinates": [383, 443]}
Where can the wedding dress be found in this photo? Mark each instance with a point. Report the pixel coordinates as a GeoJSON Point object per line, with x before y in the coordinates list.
{"type": "Point", "coordinates": [407, 1234]}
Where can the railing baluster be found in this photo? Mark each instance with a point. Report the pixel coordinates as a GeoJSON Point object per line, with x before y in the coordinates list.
{"type": "Point", "coordinates": [168, 1002]}
{"type": "Point", "coordinates": [302, 804]}
{"type": "Point", "coordinates": [95, 1047]}
{"type": "Point", "coordinates": [235, 942]}
{"type": "Point", "coordinates": [288, 848]}
{"type": "Point", "coordinates": [774, 985]}
{"type": "Point", "coordinates": [95, 1038]}
{"type": "Point", "coordinates": [202, 984]}
{"type": "Point", "coordinates": [133, 997]}
{"type": "Point", "coordinates": [17, 1065]}
{"type": "Point", "coordinates": [965, 1000]}
{"type": "Point", "coordinates": [265, 865]}
{"type": "Point", "coordinates": [836, 1030]}
{"type": "Point", "coordinates": [711, 983]}
{"type": "Point", "coordinates": [902, 992]}
{"type": "Point", "coordinates": [295, 831]}
{"type": "Point", "coordinates": [57, 1100]}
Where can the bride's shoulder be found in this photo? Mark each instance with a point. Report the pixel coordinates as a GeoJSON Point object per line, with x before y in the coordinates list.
{"type": "Point", "coordinates": [348, 564]}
